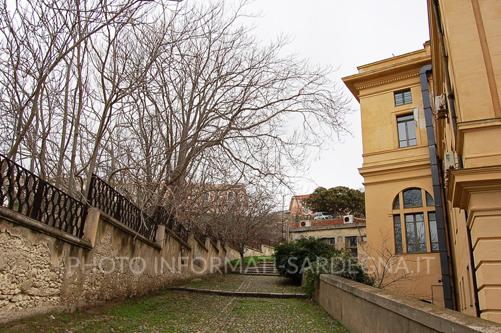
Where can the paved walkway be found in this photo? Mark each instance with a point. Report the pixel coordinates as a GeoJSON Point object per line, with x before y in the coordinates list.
{"type": "Point", "coordinates": [252, 283]}
{"type": "Point", "coordinates": [177, 311]}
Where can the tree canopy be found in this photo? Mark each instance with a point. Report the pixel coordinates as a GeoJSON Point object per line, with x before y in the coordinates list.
{"type": "Point", "coordinates": [339, 200]}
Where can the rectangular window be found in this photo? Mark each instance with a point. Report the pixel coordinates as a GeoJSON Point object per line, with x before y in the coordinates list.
{"type": "Point", "coordinates": [351, 245]}
{"type": "Point", "coordinates": [414, 230]}
{"type": "Point", "coordinates": [432, 220]}
{"type": "Point", "coordinates": [402, 97]}
{"type": "Point", "coordinates": [406, 126]}
{"type": "Point", "coordinates": [329, 241]}
{"type": "Point", "coordinates": [397, 230]}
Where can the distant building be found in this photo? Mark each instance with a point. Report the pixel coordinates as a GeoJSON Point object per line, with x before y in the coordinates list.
{"type": "Point", "coordinates": [344, 233]}
{"type": "Point", "coordinates": [298, 209]}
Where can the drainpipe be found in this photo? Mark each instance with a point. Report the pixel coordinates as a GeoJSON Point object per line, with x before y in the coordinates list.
{"type": "Point", "coordinates": [436, 175]}
{"type": "Point", "coordinates": [473, 269]}
{"type": "Point", "coordinates": [448, 86]}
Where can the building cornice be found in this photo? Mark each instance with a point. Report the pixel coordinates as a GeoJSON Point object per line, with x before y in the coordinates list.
{"type": "Point", "coordinates": [395, 71]}
{"type": "Point", "coordinates": [463, 182]}
{"type": "Point", "coordinates": [386, 80]}
{"type": "Point", "coordinates": [474, 125]}
{"type": "Point", "coordinates": [387, 168]}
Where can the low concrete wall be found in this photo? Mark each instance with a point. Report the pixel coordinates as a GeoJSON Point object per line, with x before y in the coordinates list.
{"type": "Point", "coordinates": [43, 269]}
{"type": "Point", "coordinates": [361, 308]}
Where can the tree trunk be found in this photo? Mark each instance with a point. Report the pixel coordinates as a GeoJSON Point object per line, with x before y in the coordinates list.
{"type": "Point", "coordinates": [241, 261]}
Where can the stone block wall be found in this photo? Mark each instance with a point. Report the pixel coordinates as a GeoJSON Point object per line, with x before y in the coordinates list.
{"type": "Point", "coordinates": [43, 269]}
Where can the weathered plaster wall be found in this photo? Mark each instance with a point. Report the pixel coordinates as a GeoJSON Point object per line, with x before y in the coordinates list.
{"type": "Point", "coordinates": [31, 272]}
{"type": "Point", "coordinates": [232, 253]}
{"type": "Point", "coordinates": [41, 271]}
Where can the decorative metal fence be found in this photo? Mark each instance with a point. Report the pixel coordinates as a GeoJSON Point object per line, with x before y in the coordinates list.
{"type": "Point", "coordinates": [101, 195]}
{"type": "Point", "coordinates": [24, 192]}
{"type": "Point", "coordinates": [213, 236]}
{"type": "Point", "coordinates": [204, 232]}
{"type": "Point", "coordinates": [179, 229]}
{"type": "Point", "coordinates": [199, 235]}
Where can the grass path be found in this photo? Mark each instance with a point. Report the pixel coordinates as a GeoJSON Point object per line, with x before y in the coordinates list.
{"type": "Point", "coordinates": [173, 311]}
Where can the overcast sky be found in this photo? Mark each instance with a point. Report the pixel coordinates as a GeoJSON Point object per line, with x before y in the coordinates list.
{"type": "Point", "coordinates": [343, 34]}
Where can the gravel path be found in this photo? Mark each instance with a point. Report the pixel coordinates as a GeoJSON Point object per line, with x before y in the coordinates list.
{"type": "Point", "coordinates": [174, 311]}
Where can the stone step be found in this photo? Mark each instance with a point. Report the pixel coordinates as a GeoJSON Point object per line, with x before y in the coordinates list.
{"type": "Point", "coordinates": [261, 270]}
{"type": "Point", "coordinates": [240, 293]}
{"type": "Point", "coordinates": [257, 271]}
{"type": "Point", "coordinates": [257, 274]}
{"type": "Point", "coordinates": [265, 268]}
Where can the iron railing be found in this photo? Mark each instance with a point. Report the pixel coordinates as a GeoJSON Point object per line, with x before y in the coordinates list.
{"type": "Point", "coordinates": [213, 236]}
{"type": "Point", "coordinates": [104, 197]}
{"type": "Point", "coordinates": [24, 192]}
{"type": "Point", "coordinates": [204, 232]}
{"type": "Point", "coordinates": [179, 229]}
{"type": "Point", "coordinates": [198, 234]}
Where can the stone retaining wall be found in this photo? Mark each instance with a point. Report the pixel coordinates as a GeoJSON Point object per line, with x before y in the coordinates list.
{"type": "Point", "coordinates": [43, 269]}
{"type": "Point", "coordinates": [361, 308]}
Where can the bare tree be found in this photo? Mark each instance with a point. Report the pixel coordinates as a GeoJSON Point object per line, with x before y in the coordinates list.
{"type": "Point", "coordinates": [245, 223]}
{"type": "Point", "coordinates": [384, 265]}
{"type": "Point", "coordinates": [157, 99]}
{"type": "Point", "coordinates": [38, 36]}
{"type": "Point", "coordinates": [216, 101]}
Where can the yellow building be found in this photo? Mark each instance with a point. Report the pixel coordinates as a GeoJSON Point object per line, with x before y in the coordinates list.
{"type": "Point", "coordinates": [397, 174]}
{"type": "Point", "coordinates": [431, 125]}
{"type": "Point", "coordinates": [466, 68]}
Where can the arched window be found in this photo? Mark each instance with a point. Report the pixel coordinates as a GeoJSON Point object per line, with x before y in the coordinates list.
{"type": "Point", "coordinates": [412, 198]}
{"type": "Point", "coordinates": [414, 223]}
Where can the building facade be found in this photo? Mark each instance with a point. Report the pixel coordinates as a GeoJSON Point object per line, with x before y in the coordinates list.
{"type": "Point", "coordinates": [431, 126]}
{"type": "Point", "coordinates": [397, 173]}
{"type": "Point", "coordinates": [298, 210]}
{"type": "Point", "coordinates": [347, 235]}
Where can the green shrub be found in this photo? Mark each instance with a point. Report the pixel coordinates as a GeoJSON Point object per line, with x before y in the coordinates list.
{"type": "Point", "coordinates": [312, 257]}
{"type": "Point", "coordinates": [293, 258]}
